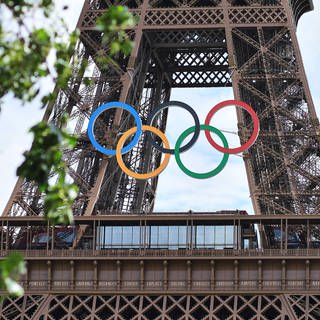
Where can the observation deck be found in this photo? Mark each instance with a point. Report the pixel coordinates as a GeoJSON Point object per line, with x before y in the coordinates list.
{"type": "Point", "coordinates": [166, 252]}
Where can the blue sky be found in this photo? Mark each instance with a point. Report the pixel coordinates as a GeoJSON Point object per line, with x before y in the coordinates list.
{"type": "Point", "coordinates": [176, 191]}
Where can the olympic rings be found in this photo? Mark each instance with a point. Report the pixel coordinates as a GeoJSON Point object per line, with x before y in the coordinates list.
{"type": "Point", "coordinates": [137, 131]}
{"type": "Point", "coordinates": [97, 113]}
{"type": "Point", "coordinates": [254, 135]}
{"type": "Point", "coordinates": [207, 174]}
{"type": "Point", "coordinates": [181, 105]}
{"type": "Point", "coordinates": [143, 176]}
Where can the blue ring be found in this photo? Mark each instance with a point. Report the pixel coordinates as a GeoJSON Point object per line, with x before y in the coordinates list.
{"type": "Point", "coordinates": [96, 114]}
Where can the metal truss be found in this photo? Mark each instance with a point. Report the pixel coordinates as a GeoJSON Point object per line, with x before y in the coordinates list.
{"type": "Point", "coordinates": [190, 58]}
{"type": "Point", "coordinates": [284, 163]}
{"type": "Point", "coordinates": [250, 45]}
{"type": "Point", "coordinates": [164, 307]}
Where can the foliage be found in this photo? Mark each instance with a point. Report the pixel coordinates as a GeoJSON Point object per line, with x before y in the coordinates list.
{"type": "Point", "coordinates": [11, 269]}
{"type": "Point", "coordinates": [113, 25]}
{"type": "Point", "coordinates": [27, 48]}
{"type": "Point", "coordinates": [45, 156]}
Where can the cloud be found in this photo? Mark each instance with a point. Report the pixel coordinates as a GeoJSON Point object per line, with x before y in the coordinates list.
{"type": "Point", "coordinates": [226, 191]}
{"type": "Point", "coordinates": [310, 50]}
{"type": "Point", "coordinates": [16, 119]}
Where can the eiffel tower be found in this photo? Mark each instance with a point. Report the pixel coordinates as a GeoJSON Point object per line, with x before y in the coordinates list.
{"type": "Point", "coordinates": [123, 261]}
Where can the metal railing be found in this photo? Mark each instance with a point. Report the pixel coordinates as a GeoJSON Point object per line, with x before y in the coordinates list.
{"type": "Point", "coordinates": [128, 285]}
{"type": "Point", "coordinates": [165, 253]}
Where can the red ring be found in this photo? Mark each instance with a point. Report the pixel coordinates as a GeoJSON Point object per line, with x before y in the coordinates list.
{"type": "Point", "coordinates": [256, 126]}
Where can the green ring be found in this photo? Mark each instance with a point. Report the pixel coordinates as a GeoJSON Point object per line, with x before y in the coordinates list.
{"type": "Point", "coordinates": [209, 174]}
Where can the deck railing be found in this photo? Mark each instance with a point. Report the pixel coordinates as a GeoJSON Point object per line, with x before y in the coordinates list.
{"type": "Point", "coordinates": [165, 253]}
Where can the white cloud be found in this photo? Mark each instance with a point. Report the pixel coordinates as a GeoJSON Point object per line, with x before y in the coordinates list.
{"type": "Point", "coordinates": [226, 191]}
{"type": "Point", "coordinates": [308, 29]}
{"type": "Point", "coordinates": [179, 192]}
{"type": "Point", "coordinates": [16, 119]}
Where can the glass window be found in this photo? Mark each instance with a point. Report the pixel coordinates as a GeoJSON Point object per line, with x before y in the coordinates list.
{"type": "Point", "coordinates": [126, 236]}
{"type": "Point", "coordinates": [246, 244]}
{"type": "Point", "coordinates": [173, 237]}
{"type": "Point", "coordinates": [148, 237]}
{"type": "Point", "coordinates": [116, 236]}
{"type": "Point", "coordinates": [136, 236]}
{"type": "Point", "coordinates": [106, 233]}
{"type": "Point", "coordinates": [163, 236]}
{"type": "Point", "coordinates": [229, 236]}
{"type": "Point", "coordinates": [66, 236]}
{"type": "Point", "coordinates": [192, 235]}
{"type": "Point", "coordinates": [182, 239]}
{"type": "Point", "coordinates": [292, 236]}
{"type": "Point", "coordinates": [277, 234]}
{"type": "Point", "coordinates": [209, 236]}
{"type": "Point", "coordinates": [41, 238]}
{"type": "Point", "coordinates": [219, 237]}
{"type": "Point", "coordinates": [199, 236]}
{"type": "Point", "coordinates": [100, 237]}
{"type": "Point", "coordinates": [154, 236]}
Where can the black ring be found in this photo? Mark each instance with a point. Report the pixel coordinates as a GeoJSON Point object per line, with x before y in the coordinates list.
{"type": "Point", "coordinates": [176, 104]}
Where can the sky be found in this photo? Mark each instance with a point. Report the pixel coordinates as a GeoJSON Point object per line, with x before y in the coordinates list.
{"type": "Point", "coordinates": [176, 191]}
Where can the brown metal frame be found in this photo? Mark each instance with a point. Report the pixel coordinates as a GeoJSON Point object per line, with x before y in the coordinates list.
{"type": "Point", "coordinates": [249, 44]}
{"type": "Point", "coordinates": [253, 46]}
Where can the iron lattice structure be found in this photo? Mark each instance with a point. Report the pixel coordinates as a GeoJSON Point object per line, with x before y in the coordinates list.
{"type": "Point", "coordinates": [250, 45]}
{"type": "Point", "coordinates": [163, 307]}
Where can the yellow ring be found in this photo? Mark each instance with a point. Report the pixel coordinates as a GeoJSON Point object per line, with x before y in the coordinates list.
{"type": "Point", "coordinates": [142, 176]}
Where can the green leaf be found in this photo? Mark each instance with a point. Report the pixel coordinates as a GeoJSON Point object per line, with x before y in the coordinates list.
{"type": "Point", "coordinates": [58, 203]}
{"type": "Point", "coordinates": [113, 25]}
{"type": "Point", "coordinates": [13, 288]}
{"type": "Point", "coordinates": [11, 269]}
